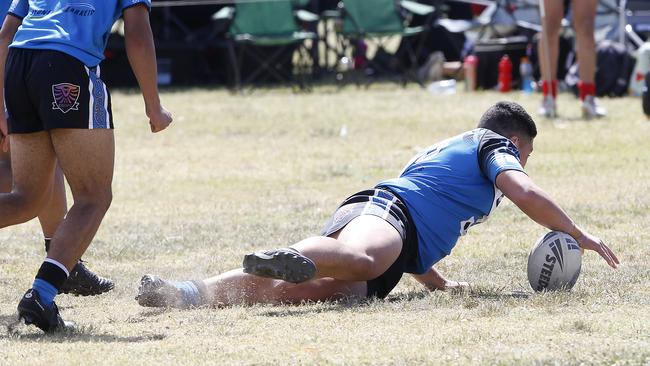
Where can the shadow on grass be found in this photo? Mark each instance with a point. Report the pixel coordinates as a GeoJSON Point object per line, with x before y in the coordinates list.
{"type": "Point", "coordinates": [314, 307]}
{"type": "Point", "coordinates": [18, 331]}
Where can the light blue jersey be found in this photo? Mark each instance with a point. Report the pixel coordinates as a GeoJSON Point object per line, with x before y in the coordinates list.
{"type": "Point", "coordinates": [450, 187]}
{"type": "Point", "coordinates": [4, 6]}
{"type": "Point", "coordinates": [79, 28]}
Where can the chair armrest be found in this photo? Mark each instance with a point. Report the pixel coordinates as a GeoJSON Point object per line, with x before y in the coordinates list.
{"type": "Point", "coordinates": [416, 8]}
{"type": "Point", "coordinates": [226, 13]}
{"type": "Point", "coordinates": [306, 16]}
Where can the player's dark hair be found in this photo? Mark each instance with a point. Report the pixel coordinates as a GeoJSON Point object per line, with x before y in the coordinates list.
{"type": "Point", "coordinates": [507, 119]}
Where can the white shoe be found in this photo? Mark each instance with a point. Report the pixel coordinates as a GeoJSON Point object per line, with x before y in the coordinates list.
{"type": "Point", "coordinates": [591, 108]}
{"type": "Point", "coordinates": [548, 108]}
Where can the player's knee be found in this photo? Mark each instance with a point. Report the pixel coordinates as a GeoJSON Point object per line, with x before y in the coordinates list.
{"type": "Point", "coordinates": [26, 207]}
{"type": "Point", "coordinates": [365, 268]}
{"type": "Point", "coordinates": [99, 200]}
{"type": "Point", "coordinates": [584, 28]}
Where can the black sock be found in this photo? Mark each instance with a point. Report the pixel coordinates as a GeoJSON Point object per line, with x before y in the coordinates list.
{"type": "Point", "coordinates": [52, 273]}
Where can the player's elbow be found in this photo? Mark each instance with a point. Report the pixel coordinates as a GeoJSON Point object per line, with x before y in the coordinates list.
{"type": "Point", "coordinates": [522, 195]}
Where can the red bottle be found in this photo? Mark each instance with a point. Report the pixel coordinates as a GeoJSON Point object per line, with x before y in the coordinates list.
{"type": "Point", "coordinates": [505, 74]}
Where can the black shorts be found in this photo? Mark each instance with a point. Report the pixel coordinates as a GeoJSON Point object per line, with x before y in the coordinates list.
{"type": "Point", "coordinates": [385, 204]}
{"type": "Point", "coordinates": [47, 89]}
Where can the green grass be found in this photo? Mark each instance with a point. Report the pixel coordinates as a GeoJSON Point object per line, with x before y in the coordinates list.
{"type": "Point", "coordinates": [238, 173]}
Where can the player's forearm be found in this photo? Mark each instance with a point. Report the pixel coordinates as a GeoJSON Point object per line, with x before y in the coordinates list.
{"type": "Point", "coordinates": [540, 207]}
{"type": "Point", "coordinates": [141, 52]}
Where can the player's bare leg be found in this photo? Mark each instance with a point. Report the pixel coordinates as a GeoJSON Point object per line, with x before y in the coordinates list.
{"type": "Point", "coordinates": [87, 159]}
{"type": "Point", "coordinates": [82, 281]}
{"type": "Point", "coordinates": [584, 17]}
{"type": "Point", "coordinates": [238, 288]}
{"type": "Point", "coordinates": [32, 166]}
{"type": "Point", "coordinates": [548, 62]}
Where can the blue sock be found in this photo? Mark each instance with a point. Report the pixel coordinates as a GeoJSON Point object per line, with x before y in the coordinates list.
{"type": "Point", "coordinates": [190, 293]}
{"type": "Point", "coordinates": [45, 290]}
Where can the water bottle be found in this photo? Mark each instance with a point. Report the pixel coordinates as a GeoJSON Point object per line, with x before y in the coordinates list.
{"type": "Point", "coordinates": [505, 74]}
{"type": "Point", "coordinates": [642, 66]}
{"type": "Point", "coordinates": [469, 65]}
{"type": "Point", "coordinates": [526, 72]}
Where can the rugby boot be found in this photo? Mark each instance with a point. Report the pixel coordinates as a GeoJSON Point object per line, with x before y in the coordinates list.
{"type": "Point", "coordinates": [32, 310]}
{"type": "Point", "coordinates": [548, 108]}
{"type": "Point", "coordinates": [158, 293]}
{"type": "Point", "coordinates": [591, 108]}
{"type": "Point", "coordinates": [83, 282]}
{"type": "Point", "coordinates": [285, 264]}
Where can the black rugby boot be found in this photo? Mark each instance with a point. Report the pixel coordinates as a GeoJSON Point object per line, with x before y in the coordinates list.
{"type": "Point", "coordinates": [83, 282]}
{"type": "Point", "coordinates": [285, 264]}
{"type": "Point", "coordinates": [32, 310]}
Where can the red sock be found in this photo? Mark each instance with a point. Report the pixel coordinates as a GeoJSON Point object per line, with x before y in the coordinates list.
{"type": "Point", "coordinates": [545, 88]}
{"type": "Point", "coordinates": [586, 89]}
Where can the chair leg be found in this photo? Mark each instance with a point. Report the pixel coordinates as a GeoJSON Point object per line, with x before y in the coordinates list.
{"type": "Point", "coordinates": [235, 65]}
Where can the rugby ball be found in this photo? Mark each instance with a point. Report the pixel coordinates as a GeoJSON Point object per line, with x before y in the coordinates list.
{"type": "Point", "coordinates": [554, 262]}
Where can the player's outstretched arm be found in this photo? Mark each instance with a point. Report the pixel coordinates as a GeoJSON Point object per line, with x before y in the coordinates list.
{"type": "Point", "coordinates": [433, 280]}
{"type": "Point", "coordinates": [539, 206]}
{"type": "Point", "coordinates": [9, 28]}
{"type": "Point", "coordinates": [142, 57]}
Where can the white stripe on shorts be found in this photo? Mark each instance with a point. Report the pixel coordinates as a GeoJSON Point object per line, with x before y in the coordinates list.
{"type": "Point", "coordinates": [91, 99]}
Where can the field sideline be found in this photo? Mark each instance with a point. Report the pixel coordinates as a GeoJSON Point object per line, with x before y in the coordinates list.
{"type": "Point", "coordinates": [241, 173]}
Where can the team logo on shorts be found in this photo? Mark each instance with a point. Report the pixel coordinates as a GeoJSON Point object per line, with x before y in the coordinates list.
{"type": "Point", "coordinates": [65, 97]}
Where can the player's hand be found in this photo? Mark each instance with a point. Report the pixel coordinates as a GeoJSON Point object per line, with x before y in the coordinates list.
{"type": "Point", "coordinates": [4, 133]}
{"type": "Point", "coordinates": [159, 119]}
{"type": "Point", "coordinates": [456, 286]}
{"type": "Point", "coordinates": [590, 242]}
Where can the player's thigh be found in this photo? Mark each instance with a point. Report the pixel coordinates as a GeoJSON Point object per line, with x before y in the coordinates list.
{"type": "Point", "coordinates": [321, 289]}
{"type": "Point", "coordinates": [32, 164]}
{"type": "Point", "coordinates": [584, 16]}
{"type": "Point", "coordinates": [554, 14]}
{"type": "Point", "coordinates": [373, 236]}
{"type": "Point", "coordinates": [87, 159]}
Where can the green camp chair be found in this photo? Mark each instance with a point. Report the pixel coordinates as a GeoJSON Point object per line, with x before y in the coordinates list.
{"type": "Point", "coordinates": [267, 31]}
{"type": "Point", "coordinates": [378, 19]}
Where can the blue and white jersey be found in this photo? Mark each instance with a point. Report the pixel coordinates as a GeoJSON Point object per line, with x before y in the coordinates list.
{"type": "Point", "coordinates": [450, 187]}
{"type": "Point", "coordinates": [79, 28]}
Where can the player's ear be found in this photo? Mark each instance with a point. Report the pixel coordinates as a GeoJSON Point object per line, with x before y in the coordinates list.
{"type": "Point", "coordinates": [515, 139]}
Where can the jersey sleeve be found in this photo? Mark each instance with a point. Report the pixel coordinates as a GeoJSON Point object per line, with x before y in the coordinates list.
{"type": "Point", "coordinates": [125, 4]}
{"type": "Point", "coordinates": [497, 154]}
{"type": "Point", "coordinates": [19, 8]}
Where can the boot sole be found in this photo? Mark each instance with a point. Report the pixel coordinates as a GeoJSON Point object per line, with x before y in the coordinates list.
{"type": "Point", "coordinates": [87, 291]}
{"type": "Point", "coordinates": [286, 266]}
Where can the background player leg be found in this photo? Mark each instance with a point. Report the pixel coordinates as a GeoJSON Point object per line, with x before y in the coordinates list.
{"type": "Point", "coordinates": [548, 62]}
{"type": "Point", "coordinates": [33, 171]}
{"type": "Point", "coordinates": [584, 16]}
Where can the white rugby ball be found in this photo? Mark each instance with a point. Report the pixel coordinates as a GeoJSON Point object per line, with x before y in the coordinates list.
{"type": "Point", "coordinates": [554, 262]}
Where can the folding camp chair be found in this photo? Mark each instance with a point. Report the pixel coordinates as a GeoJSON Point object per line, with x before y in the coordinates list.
{"type": "Point", "coordinates": [375, 21]}
{"type": "Point", "coordinates": [267, 31]}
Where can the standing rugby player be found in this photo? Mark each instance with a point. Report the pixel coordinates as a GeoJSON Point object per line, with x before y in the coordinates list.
{"type": "Point", "coordinates": [59, 110]}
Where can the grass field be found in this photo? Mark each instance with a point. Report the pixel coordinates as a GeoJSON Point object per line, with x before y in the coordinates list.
{"type": "Point", "coordinates": [240, 173]}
